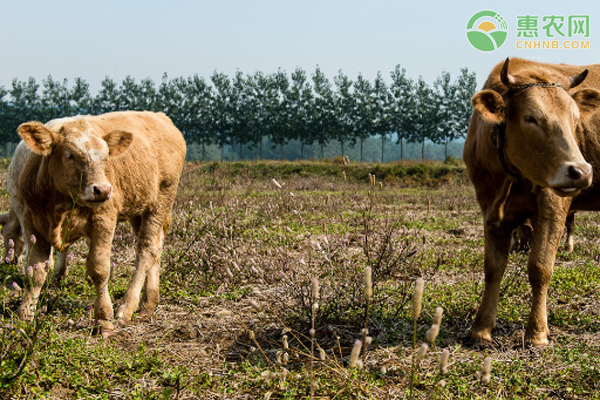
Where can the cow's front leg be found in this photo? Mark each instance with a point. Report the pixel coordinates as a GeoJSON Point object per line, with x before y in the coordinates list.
{"type": "Point", "coordinates": [98, 269]}
{"type": "Point", "coordinates": [38, 261]}
{"type": "Point", "coordinates": [496, 258]}
{"type": "Point", "coordinates": [549, 223]}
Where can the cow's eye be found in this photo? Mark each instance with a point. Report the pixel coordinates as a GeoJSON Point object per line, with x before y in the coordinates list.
{"type": "Point", "coordinates": [69, 156]}
{"type": "Point", "coordinates": [530, 120]}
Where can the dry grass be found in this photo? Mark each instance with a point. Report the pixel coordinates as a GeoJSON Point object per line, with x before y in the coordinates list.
{"type": "Point", "coordinates": [236, 278]}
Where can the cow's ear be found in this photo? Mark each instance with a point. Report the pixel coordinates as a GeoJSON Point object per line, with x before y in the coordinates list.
{"type": "Point", "coordinates": [118, 141]}
{"type": "Point", "coordinates": [588, 101]}
{"type": "Point", "coordinates": [38, 137]}
{"type": "Point", "coordinates": [490, 105]}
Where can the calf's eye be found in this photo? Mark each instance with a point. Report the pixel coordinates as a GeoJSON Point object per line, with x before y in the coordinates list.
{"type": "Point", "coordinates": [531, 120]}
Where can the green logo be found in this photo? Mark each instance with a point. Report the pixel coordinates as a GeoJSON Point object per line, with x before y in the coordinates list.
{"type": "Point", "coordinates": [486, 30]}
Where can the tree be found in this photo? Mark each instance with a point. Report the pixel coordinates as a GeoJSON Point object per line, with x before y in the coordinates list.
{"type": "Point", "coordinates": [80, 99]}
{"type": "Point", "coordinates": [198, 111]}
{"type": "Point", "coordinates": [381, 115]}
{"type": "Point", "coordinates": [402, 105]}
{"type": "Point", "coordinates": [466, 86]}
{"type": "Point", "coordinates": [300, 101]}
{"type": "Point", "coordinates": [7, 133]}
{"type": "Point", "coordinates": [445, 102]}
{"type": "Point", "coordinates": [108, 98]}
{"type": "Point", "coordinates": [344, 105]}
{"type": "Point", "coordinates": [322, 117]}
{"type": "Point", "coordinates": [222, 110]}
{"type": "Point", "coordinates": [424, 117]}
{"type": "Point", "coordinates": [55, 99]}
{"type": "Point", "coordinates": [364, 114]}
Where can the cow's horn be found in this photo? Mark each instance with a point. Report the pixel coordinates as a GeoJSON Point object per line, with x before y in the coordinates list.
{"type": "Point", "coordinates": [505, 77]}
{"type": "Point", "coordinates": [577, 79]}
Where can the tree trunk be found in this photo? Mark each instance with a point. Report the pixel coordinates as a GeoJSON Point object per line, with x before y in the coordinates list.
{"type": "Point", "coordinates": [322, 152]}
{"type": "Point", "coordinates": [222, 152]}
{"type": "Point", "coordinates": [423, 151]}
{"type": "Point", "coordinates": [361, 149]}
{"type": "Point", "coordinates": [342, 147]}
{"type": "Point", "coordinates": [281, 151]}
{"type": "Point", "coordinates": [445, 150]}
{"type": "Point", "coordinates": [401, 149]}
{"type": "Point", "coordinates": [7, 149]}
{"type": "Point", "coordinates": [240, 151]}
{"type": "Point", "coordinates": [260, 148]}
{"type": "Point", "coordinates": [382, 147]}
{"type": "Point", "coordinates": [302, 150]}
{"type": "Point", "coordinates": [203, 150]}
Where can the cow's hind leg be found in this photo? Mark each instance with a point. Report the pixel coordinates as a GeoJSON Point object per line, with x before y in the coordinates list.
{"type": "Point", "coordinates": [496, 258]}
{"type": "Point", "coordinates": [61, 269]}
{"type": "Point", "coordinates": [570, 244]}
{"type": "Point", "coordinates": [149, 247]}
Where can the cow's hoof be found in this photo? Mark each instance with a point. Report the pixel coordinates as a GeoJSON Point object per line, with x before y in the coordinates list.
{"type": "Point", "coordinates": [481, 335]}
{"type": "Point", "coordinates": [106, 328]}
{"type": "Point", "coordinates": [535, 342]}
{"type": "Point", "coordinates": [123, 322]}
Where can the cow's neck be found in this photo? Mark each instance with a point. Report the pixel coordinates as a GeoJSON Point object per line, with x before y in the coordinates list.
{"type": "Point", "coordinates": [498, 138]}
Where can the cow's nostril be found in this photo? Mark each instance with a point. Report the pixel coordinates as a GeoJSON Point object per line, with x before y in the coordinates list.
{"type": "Point", "coordinates": [574, 172]}
{"type": "Point", "coordinates": [101, 192]}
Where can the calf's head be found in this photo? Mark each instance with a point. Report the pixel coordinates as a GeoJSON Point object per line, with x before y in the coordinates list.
{"type": "Point", "coordinates": [77, 158]}
{"type": "Point", "coordinates": [540, 121]}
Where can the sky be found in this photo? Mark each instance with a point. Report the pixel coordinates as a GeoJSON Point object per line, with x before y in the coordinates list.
{"type": "Point", "coordinates": [146, 39]}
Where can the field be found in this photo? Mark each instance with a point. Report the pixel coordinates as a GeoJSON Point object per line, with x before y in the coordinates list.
{"type": "Point", "coordinates": [239, 317]}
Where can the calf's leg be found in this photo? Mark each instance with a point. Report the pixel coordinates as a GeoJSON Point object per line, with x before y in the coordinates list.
{"type": "Point", "coordinates": [98, 269]}
{"type": "Point", "coordinates": [38, 262]}
{"type": "Point", "coordinates": [149, 247]}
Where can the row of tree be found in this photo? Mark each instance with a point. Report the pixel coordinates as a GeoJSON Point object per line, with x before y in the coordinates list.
{"type": "Point", "coordinates": [250, 110]}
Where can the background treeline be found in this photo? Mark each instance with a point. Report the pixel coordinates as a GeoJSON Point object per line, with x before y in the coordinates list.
{"type": "Point", "coordinates": [277, 116]}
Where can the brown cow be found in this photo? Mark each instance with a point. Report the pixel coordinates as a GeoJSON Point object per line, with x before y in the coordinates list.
{"type": "Point", "coordinates": [533, 131]}
{"type": "Point", "coordinates": [84, 175]}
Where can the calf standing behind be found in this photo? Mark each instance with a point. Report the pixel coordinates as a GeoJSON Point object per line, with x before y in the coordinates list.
{"type": "Point", "coordinates": [85, 174]}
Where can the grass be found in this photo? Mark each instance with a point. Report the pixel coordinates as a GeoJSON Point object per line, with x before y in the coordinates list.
{"type": "Point", "coordinates": [240, 257]}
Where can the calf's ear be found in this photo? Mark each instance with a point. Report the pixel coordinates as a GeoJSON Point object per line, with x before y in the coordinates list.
{"type": "Point", "coordinates": [588, 101]}
{"type": "Point", "coordinates": [118, 141]}
{"type": "Point", "coordinates": [490, 105]}
{"type": "Point", "coordinates": [38, 137]}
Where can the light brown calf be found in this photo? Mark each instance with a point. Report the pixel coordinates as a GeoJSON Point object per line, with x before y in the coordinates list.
{"type": "Point", "coordinates": [85, 174]}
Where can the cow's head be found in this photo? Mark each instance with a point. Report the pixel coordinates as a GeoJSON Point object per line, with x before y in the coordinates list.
{"type": "Point", "coordinates": [77, 158]}
{"type": "Point", "coordinates": [541, 121]}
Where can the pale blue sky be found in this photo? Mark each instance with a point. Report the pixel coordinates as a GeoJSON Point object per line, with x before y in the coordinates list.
{"type": "Point", "coordinates": [147, 38]}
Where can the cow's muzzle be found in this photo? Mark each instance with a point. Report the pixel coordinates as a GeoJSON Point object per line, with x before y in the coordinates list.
{"type": "Point", "coordinates": [96, 194]}
{"type": "Point", "coordinates": [572, 178]}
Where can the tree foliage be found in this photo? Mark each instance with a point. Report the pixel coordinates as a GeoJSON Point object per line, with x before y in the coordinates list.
{"type": "Point", "coordinates": [247, 111]}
